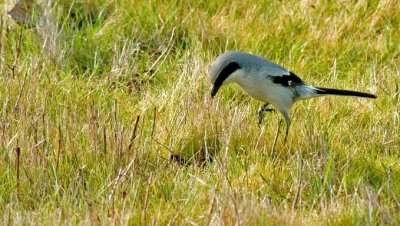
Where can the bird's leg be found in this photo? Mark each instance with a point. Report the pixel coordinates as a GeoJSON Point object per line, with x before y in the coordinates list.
{"type": "Point", "coordinates": [287, 132]}
{"type": "Point", "coordinates": [287, 119]}
{"type": "Point", "coordinates": [276, 138]}
{"type": "Point", "coordinates": [261, 111]}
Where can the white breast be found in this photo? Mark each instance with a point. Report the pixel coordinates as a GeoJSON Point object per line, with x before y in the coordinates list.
{"type": "Point", "coordinates": [263, 89]}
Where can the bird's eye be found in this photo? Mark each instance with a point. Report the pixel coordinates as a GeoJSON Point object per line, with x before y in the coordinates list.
{"type": "Point", "coordinates": [226, 71]}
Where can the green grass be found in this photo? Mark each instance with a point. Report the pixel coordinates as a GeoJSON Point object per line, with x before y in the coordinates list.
{"type": "Point", "coordinates": [85, 159]}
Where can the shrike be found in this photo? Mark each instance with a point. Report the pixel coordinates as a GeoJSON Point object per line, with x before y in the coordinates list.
{"type": "Point", "coordinates": [267, 81]}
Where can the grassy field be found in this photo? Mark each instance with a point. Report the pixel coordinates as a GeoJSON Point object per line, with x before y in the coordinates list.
{"type": "Point", "coordinates": [113, 123]}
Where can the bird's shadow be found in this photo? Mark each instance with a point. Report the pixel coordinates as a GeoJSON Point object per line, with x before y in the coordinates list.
{"type": "Point", "coordinates": [192, 152]}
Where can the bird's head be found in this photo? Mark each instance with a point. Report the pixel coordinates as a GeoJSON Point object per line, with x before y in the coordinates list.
{"type": "Point", "coordinates": [224, 70]}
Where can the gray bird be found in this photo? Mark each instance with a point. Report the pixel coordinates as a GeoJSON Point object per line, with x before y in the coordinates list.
{"type": "Point", "coordinates": [267, 82]}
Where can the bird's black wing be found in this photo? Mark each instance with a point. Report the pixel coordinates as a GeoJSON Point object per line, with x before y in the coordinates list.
{"type": "Point", "coordinates": [287, 80]}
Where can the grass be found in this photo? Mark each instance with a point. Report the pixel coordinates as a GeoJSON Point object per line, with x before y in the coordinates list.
{"type": "Point", "coordinates": [96, 118]}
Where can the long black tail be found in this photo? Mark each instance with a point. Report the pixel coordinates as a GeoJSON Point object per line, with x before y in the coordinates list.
{"type": "Point", "coordinates": [341, 92]}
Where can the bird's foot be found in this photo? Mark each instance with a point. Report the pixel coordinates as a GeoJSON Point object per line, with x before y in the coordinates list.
{"type": "Point", "coordinates": [260, 113]}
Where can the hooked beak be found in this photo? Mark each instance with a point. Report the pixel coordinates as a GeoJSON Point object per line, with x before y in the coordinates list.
{"type": "Point", "coordinates": [214, 90]}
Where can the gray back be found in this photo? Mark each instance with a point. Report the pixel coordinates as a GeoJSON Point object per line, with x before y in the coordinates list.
{"type": "Point", "coordinates": [248, 63]}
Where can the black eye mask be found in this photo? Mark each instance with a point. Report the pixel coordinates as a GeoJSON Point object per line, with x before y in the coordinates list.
{"type": "Point", "coordinates": [228, 70]}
